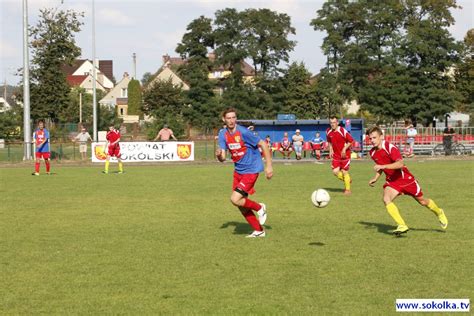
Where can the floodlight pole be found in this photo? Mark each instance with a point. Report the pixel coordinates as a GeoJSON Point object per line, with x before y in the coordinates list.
{"type": "Point", "coordinates": [94, 95]}
{"type": "Point", "coordinates": [26, 87]}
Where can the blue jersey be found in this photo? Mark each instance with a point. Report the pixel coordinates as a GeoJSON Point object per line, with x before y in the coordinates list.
{"type": "Point", "coordinates": [39, 136]}
{"type": "Point", "coordinates": [243, 147]}
{"type": "Point", "coordinates": [317, 140]}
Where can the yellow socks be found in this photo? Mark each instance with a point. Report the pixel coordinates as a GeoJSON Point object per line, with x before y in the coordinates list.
{"type": "Point", "coordinates": [392, 209]}
{"type": "Point", "coordinates": [340, 176]}
{"type": "Point", "coordinates": [120, 166]}
{"type": "Point", "coordinates": [433, 207]}
{"type": "Point", "coordinates": [347, 182]}
{"type": "Point", "coordinates": [107, 166]}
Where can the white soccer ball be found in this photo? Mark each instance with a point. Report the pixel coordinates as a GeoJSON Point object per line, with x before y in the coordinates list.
{"type": "Point", "coordinates": [320, 198]}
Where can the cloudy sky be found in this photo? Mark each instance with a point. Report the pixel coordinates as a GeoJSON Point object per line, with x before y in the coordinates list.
{"type": "Point", "coordinates": [152, 28]}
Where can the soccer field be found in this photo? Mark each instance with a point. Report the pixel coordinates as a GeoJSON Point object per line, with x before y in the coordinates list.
{"type": "Point", "coordinates": [165, 239]}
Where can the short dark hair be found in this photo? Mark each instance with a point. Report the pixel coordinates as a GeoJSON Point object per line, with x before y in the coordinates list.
{"type": "Point", "coordinates": [40, 121]}
{"type": "Point", "coordinates": [332, 117]}
{"type": "Point", "coordinates": [229, 110]}
{"type": "Point", "coordinates": [374, 129]}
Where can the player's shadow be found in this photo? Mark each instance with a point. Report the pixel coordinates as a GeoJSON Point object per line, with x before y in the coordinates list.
{"type": "Point", "coordinates": [334, 189]}
{"type": "Point", "coordinates": [241, 228]}
{"type": "Point", "coordinates": [387, 229]}
{"type": "Point", "coordinates": [316, 243]}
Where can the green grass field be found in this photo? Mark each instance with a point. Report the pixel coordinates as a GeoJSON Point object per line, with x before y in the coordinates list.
{"type": "Point", "coordinates": [165, 239]}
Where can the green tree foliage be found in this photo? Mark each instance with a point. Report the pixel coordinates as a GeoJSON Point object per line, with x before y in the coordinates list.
{"type": "Point", "coordinates": [391, 56]}
{"type": "Point", "coordinates": [147, 78]}
{"type": "Point", "coordinates": [11, 123]}
{"type": "Point", "coordinates": [300, 94]}
{"type": "Point", "coordinates": [265, 38]}
{"type": "Point", "coordinates": [464, 77]}
{"type": "Point", "coordinates": [53, 45]}
{"type": "Point", "coordinates": [134, 97]}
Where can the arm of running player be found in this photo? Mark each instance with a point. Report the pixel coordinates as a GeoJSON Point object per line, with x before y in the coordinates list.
{"type": "Point", "coordinates": [268, 159]}
{"type": "Point", "coordinates": [343, 152]}
{"type": "Point", "coordinates": [331, 151]}
{"type": "Point", "coordinates": [375, 178]}
{"type": "Point", "coordinates": [395, 165]}
{"type": "Point", "coordinates": [220, 154]}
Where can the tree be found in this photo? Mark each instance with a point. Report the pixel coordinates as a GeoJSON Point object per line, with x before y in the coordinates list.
{"type": "Point", "coordinates": [134, 97]}
{"type": "Point", "coordinates": [265, 39]}
{"type": "Point", "coordinates": [464, 75]}
{"type": "Point", "coordinates": [53, 45]}
{"type": "Point", "coordinates": [300, 97]}
{"type": "Point", "coordinates": [147, 78]}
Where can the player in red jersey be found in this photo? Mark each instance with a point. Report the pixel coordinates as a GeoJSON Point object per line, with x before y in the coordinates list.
{"type": "Point", "coordinates": [41, 139]}
{"type": "Point", "coordinates": [113, 148]}
{"type": "Point", "coordinates": [399, 180]}
{"type": "Point", "coordinates": [340, 142]}
{"type": "Point", "coordinates": [243, 147]}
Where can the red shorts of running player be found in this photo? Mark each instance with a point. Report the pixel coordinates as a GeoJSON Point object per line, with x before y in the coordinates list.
{"type": "Point", "coordinates": [343, 164]}
{"type": "Point", "coordinates": [409, 188]}
{"type": "Point", "coordinates": [45, 155]}
{"type": "Point", "coordinates": [114, 151]}
{"type": "Point", "coordinates": [244, 183]}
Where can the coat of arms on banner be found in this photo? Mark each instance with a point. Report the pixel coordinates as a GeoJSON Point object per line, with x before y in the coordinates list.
{"type": "Point", "coordinates": [99, 152]}
{"type": "Point", "coordinates": [184, 151]}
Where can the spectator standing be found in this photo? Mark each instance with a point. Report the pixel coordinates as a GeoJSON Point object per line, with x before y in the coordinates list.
{"type": "Point", "coordinates": [165, 134]}
{"type": "Point", "coordinates": [448, 134]}
{"type": "Point", "coordinates": [83, 137]}
{"type": "Point", "coordinates": [411, 133]}
{"type": "Point", "coordinates": [297, 141]}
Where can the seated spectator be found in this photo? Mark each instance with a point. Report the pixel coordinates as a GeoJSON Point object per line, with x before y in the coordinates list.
{"type": "Point", "coordinates": [317, 144]}
{"type": "Point", "coordinates": [285, 146]}
{"type": "Point", "coordinates": [298, 141]}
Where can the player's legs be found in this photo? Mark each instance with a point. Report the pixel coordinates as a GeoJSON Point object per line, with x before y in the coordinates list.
{"type": "Point", "coordinates": [107, 162]}
{"type": "Point", "coordinates": [37, 163]}
{"type": "Point", "coordinates": [318, 154]}
{"type": "Point", "coordinates": [346, 176]}
{"type": "Point", "coordinates": [120, 165]}
{"type": "Point", "coordinates": [389, 195]}
{"type": "Point", "coordinates": [431, 205]}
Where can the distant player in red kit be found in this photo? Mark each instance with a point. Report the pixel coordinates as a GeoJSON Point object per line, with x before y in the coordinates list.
{"type": "Point", "coordinates": [389, 160]}
{"type": "Point", "coordinates": [243, 146]}
{"type": "Point", "coordinates": [41, 139]}
{"type": "Point", "coordinates": [113, 148]}
{"type": "Point", "coordinates": [340, 142]}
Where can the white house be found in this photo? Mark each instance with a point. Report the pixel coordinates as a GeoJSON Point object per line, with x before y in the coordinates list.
{"type": "Point", "coordinates": [4, 105]}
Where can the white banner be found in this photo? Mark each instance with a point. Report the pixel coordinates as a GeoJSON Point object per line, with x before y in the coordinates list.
{"type": "Point", "coordinates": [146, 151]}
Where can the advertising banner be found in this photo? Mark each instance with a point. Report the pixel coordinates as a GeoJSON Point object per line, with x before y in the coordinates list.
{"type": "Point", "coordinates": [146, 151]}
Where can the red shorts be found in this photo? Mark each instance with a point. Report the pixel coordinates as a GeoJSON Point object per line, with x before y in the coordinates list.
{"type": "Point", "coordinates": [343, 164]}
{"type": "Point", "coordinates": [316, 146]}
{"type": "Point", "coordinates": [114, 151]}
{"type": "Point", "coordinates": [43, 155]}
{"type": "Point", "coordinates": [404, 187]}
{"type": "Point", "coordinates": [245, 182]}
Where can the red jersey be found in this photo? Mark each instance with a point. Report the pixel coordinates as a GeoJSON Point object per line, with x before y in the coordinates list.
{"type": "Point", "coordinates": [338, 139]}
{"type": "Point", "coordinates": [112, 136]}
{"type": "Point", "coordinates": [389, 154]}
{"type": "Point", "coordinates": [236, 145]}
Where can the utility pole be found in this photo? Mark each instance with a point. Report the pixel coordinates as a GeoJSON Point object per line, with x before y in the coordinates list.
{"type": "Point", "coordinates": [26, 87]}
{"type": "Point", "coordinates": [134, 66]}
{"type": "Point", "coordinates": [80, 107]}
{"type": "Point", "coordinates": [94, 88]}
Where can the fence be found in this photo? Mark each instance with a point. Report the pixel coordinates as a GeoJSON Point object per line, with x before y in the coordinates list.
{"type": "Point", "coordinates": [60, 150]}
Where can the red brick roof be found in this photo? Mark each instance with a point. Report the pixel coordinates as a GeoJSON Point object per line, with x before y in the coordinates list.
{"type": "Point", "coordinates": [75, 80]}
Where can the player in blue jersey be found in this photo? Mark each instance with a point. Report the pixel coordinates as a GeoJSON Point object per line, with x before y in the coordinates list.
{"type": "Point", "coordinates": [41, 139]}
{"type": "Point", "coordinates": [243, 147]}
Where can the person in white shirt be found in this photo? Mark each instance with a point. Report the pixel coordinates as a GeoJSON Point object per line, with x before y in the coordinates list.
{"type": "Point", "coordinates": [83, 137]}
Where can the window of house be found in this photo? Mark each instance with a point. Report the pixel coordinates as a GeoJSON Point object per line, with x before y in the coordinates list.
{"type": "Point", "coordinates": [124, 92]}
{"type": "Point", "coordinates": [121, 111]}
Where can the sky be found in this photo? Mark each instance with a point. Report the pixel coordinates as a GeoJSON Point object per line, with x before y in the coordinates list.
{"type": "Point", "coordinates": [152, 28]}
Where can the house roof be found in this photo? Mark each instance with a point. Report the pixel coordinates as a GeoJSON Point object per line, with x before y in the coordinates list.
{"type": "Point", "coordinates": [105, 66]}
{"type": "Point", "coordinates": [75, 80]}
{"type": "Point", "coordinates": [247, 70]}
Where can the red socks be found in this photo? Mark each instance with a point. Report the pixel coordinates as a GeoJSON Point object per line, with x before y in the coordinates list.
{"type": "Point", "coordinates": [252, 205]}
{"type": "Point", "coordinates": [252, 220]}
{"type": "Point", "coordinates": [37, 167]}
{"type": "Point", "coordinates": [48, 166]}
